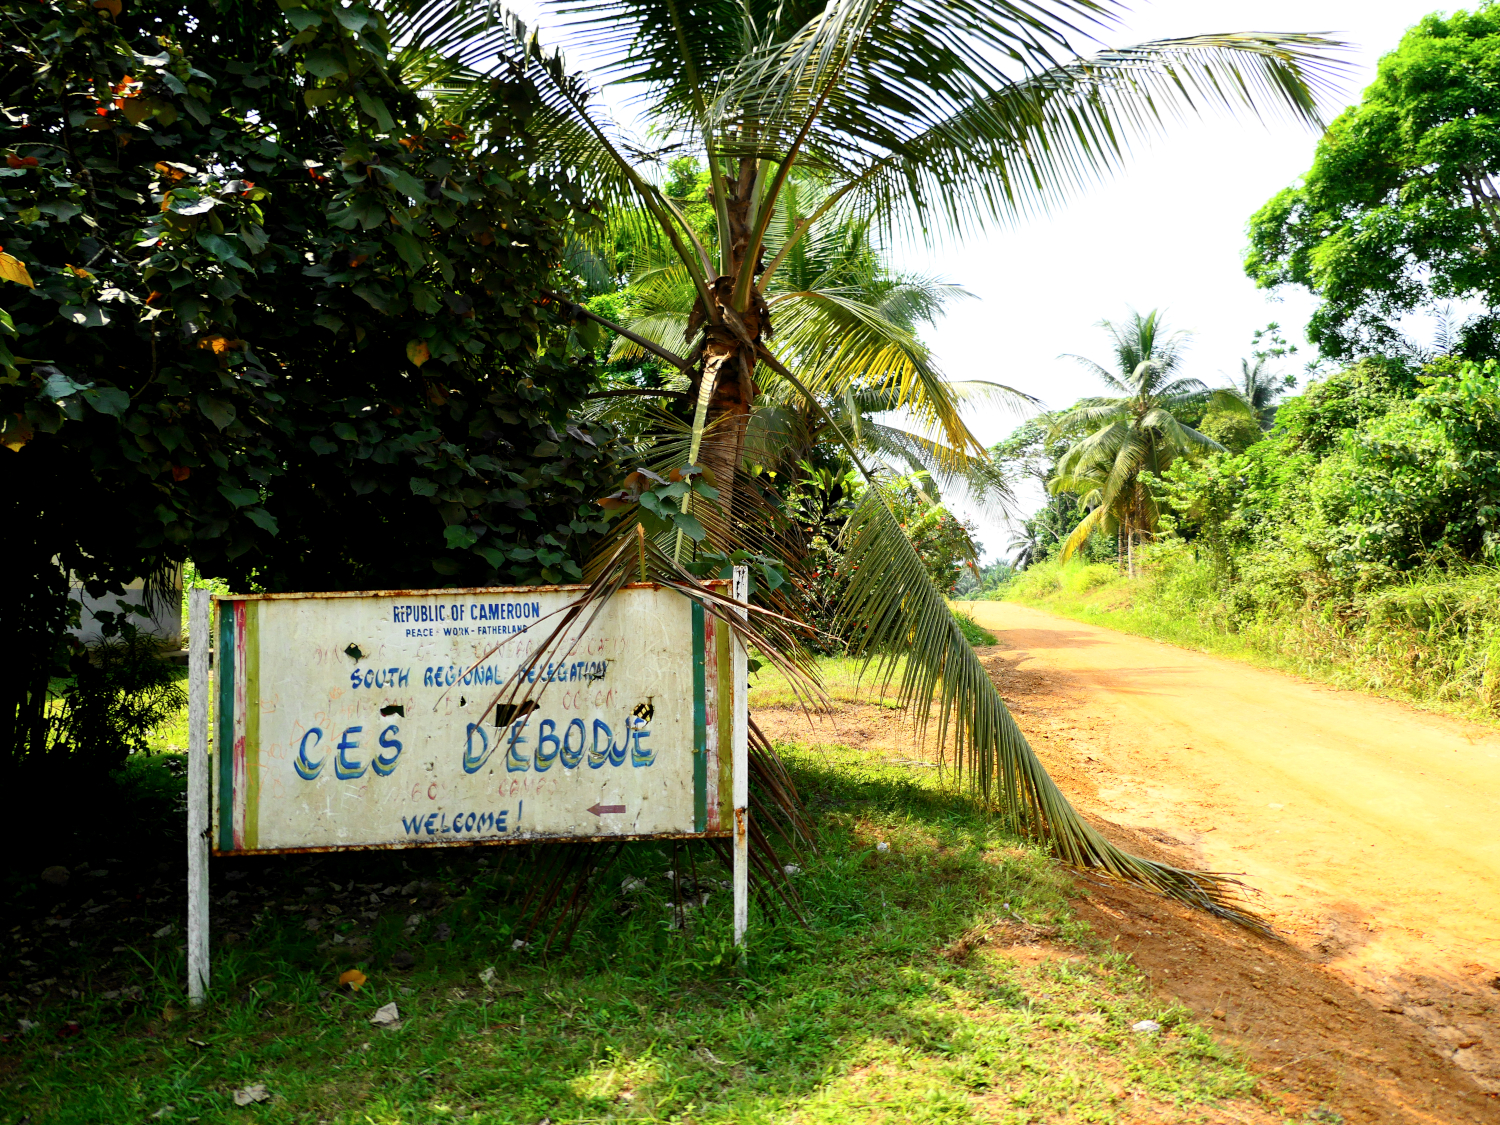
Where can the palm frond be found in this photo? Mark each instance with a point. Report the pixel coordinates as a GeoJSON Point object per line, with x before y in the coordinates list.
{"type": "Point", "coordinates": [927, 150]}
{"type": "Point", "coordinates": [831, 338]}
{"type": "Point", "coordinates": [982, 479]}
{"type": "Point", "coordinates": [908, 634]}
{"type": "Point", "coordinates": [1098, 517]}
{"type": "Point", "coordinates": [973, 392]}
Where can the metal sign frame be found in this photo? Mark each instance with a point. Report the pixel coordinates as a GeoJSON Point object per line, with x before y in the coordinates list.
{"type": "Point", "coordinates": [231, 742]}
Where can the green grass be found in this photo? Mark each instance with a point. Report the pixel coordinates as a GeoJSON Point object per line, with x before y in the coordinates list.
{"type": "Point", "coordinates": [844, 680]}
{"type": "Point", "coordinates": [974, 633]}
{"type": "Point", "coordinates": [891, 1005]}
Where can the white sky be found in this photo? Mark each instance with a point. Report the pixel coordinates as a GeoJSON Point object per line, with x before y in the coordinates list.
{"type": "Point", "coordinates": [1169, 233]}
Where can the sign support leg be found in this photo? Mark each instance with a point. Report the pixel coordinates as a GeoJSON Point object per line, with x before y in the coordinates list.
{"type": "Point", "coordinates": [199, 634]}
{"type": "Point", "coordinates": [740, 765]}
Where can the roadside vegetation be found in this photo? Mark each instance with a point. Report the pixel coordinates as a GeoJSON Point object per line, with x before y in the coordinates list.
{"type": "Point", "coordinates": [1350, 531]}
{"type": "Point", "coordinates": [904, 997]}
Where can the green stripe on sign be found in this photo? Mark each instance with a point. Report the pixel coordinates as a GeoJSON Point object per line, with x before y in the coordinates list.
{"type": "Point", "coordinates": [224, 744]}
{"type": "Point", "coordinates": [700, 726]}
{"type": "Point", "coordinates": [250, 673]}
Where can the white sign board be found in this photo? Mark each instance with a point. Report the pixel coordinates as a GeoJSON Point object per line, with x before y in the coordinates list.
{"type": "Point", "coordinates": [364, 720]}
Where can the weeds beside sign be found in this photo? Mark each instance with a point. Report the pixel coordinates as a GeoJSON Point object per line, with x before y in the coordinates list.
{"type": "Point", "coordinates": [369, 720]}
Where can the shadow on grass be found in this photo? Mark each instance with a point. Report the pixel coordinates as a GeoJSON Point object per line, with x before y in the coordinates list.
{"type": "Point", "coordinates": [858, 1014]}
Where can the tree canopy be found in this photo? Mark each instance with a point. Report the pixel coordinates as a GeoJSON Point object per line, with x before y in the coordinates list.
{"type": "Point", "coordinates": [267, 308]}
{"type": "Point", "coordinates": [1399, 210]}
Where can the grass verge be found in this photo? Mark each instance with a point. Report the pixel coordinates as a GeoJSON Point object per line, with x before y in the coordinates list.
{"type": "Point", "coordinates": [905, 999]}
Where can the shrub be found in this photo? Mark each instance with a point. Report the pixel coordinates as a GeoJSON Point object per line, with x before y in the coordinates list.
{"type": "Point", "coordinates": [974, 633]}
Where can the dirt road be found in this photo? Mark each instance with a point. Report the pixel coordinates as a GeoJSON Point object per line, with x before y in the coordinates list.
{"type": "Point", "coordinates": [1370, 829]}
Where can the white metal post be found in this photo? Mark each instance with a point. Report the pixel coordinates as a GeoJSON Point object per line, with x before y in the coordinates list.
{"type": "Point", "coordinates": [199, 634]}
{"type": "Point", "coordinates": [740, 765]}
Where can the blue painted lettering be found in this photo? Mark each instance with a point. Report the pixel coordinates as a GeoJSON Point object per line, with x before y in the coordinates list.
{"type": "Point", "coordinates": [639, 755]}
{"type": "Point", "coordinates": [597, 757]}
{"type": "Point", "coordinates": [307, 770]}
{"type": "Point", "coordinates": [546, 735]}
{"type": "Point", "coordinates": [431, 820]}
{"type": "Point", "coordinates": [571, 755]}
{"type": "Point", "coordinates": [513, 761]}
{"type": "Point", "coordinates": [385, 765]}
{"type": "Point", "coordinates": [343, 768]}
{"type": "Point", "coordinates": [473, 762]}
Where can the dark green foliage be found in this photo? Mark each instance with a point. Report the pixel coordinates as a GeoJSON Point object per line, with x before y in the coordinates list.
{"type": "Point", "coordinates": [120, 690]}
{"type": "Point", "coordinates": [1359, 484]}
{"type": "Point", "coordinates": [818, 505]}
{"type": "Point", "coordinates": [286, 319]}
{"type": "Point", "coordinates": [1399, 210]}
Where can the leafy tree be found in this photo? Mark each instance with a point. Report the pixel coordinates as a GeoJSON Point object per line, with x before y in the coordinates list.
{"type": "Point", "coordinates": [266, 308]}
{"type": "Point", "coordinates": [1409, 481]}
{"type": "Point", "coordinates": [1235, 430]}
{"type": "Point", "coordinates": [1134, 433]}
{"type": "Point", "coordinates": [1399, 210]}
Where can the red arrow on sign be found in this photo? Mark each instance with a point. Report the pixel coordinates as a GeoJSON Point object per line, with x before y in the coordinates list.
{"type": "Point", "coordinates": [600, 810]}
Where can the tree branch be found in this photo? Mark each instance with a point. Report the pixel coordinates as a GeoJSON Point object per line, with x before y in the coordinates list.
{"type": "Point", "coordinates": [640, 341]}
{"type": "Point", "coordinates": [624, 391]}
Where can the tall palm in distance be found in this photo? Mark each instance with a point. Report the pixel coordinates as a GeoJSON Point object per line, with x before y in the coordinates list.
{"type": "Point", "coordinates": [932, 118]}
{"type": "Point", "coordinates": [1261, 388]}
{"type": "Point", "coordinates": [1134, 432]}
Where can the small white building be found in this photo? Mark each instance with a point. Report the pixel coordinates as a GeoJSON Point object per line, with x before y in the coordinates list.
{"type": "Point", "coordinates": [165, 623]}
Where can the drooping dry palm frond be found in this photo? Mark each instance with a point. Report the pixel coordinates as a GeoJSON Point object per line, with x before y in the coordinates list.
{"type": "Point", "coordinates": [910, 637]}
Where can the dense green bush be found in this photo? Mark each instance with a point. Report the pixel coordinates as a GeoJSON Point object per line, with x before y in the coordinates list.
{"type": "Point", "coordinates": [1360, 483]}
{"type": "Point", "coordinates": [973, 631]}
{"type": "Point", "coordinates": [1361, 535]}
{"type": "Point", "coordinates": [266, 307]}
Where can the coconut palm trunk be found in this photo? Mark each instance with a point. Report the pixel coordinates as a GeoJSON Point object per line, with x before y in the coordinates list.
{"type": "Point", "coordinates": [923, 117]}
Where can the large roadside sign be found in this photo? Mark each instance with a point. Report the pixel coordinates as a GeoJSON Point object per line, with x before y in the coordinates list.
{"type": "Point", "coordinates": [402, 719]}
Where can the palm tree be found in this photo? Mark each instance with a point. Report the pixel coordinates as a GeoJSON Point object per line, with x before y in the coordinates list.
{"type": "Point", "coordinates": [929, 117]}
{"type": "Point", "coordinates": [1130, 434]}
{"type": "Point", "coordinates": [1260, 388]}
{"type": "Point", "coordinates": [836, 272]}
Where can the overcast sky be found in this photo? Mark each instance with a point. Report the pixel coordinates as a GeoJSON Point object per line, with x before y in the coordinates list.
{"type": "Point", "coordinates": [1169, 233]}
